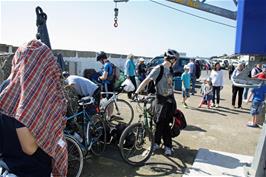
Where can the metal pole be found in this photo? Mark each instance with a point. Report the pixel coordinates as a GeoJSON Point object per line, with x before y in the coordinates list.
{"type": "Point", "coordinates": [207, 8]}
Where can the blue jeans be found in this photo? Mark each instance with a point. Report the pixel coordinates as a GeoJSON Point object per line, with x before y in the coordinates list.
{"type": "Point", "coordinates": [245, 94]}
{"type": "Point", "coordinates": [185, 93]}
{"type": "Point", "coordinates": [256, 107]}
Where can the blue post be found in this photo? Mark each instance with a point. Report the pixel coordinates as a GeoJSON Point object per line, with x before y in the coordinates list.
{"type": "Point", "coordinates": [251, 27]}
{"type": "Point", "coordinates": [251, 40]}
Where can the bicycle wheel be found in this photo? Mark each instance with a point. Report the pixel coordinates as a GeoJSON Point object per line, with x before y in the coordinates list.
{"type": "Point", "coordinates": [97, 134]}
{"type": "Point", "coordinates": [136, 144]}
{"type": "Point", "coordinates": [75, 157]}
{"type": "Point", "coordinates": [119, 111]}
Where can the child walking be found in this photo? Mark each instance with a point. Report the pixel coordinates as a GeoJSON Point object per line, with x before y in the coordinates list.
{"type": "Point", "coordinates": [206, 90]}
{"type": "Point", "coordinates": [185, 77]}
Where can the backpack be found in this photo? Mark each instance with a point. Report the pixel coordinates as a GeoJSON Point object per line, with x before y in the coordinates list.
{"type": "Point", "coordinates": [179, 123]}
{"type": "Point", "coordinates": [113, 134]}
{"type": "Point", "coordinates": [116, 77]}
{"type": "Point", "coordinates": [116, 134]}
{"type": "Point", "coordinates": [151, 86]}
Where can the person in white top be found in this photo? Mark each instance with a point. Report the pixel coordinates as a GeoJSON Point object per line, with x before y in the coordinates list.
{"type": "Point", "coordinates": [217, 78]}
{"type": "Point", "coordinates": [83, 86]}
{"type": "Point", "coordinates": [237, 89]}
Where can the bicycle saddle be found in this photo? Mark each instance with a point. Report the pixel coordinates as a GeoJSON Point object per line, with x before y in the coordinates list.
{"type": "Point", "coordinates": [86, 100]}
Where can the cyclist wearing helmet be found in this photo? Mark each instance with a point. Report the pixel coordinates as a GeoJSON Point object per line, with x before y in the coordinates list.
{"type": "Point", "coordinates": [164, 105]}
{"type": "Point", "coordinates": [107, 73]}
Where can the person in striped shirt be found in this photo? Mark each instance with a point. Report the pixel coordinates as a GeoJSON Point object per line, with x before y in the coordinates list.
{"type": "Point", "coordinates": [32, 108]}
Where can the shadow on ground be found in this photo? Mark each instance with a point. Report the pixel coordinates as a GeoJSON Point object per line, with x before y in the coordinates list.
{"type": "Point", "coordinates": [194, 128]}
{"type": "Point", "coordinates": [174, 165]}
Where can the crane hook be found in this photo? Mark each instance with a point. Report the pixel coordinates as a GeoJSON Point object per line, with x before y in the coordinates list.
{"type": "Point", "coordinates": [116, 15]}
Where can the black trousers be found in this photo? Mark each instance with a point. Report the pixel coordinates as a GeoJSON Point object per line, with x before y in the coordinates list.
{"type": "Point", "coordinates": [133, 80]}
{"type": "Point", "coordinates": [97, 96]}
{"type": "Point", "coordinates": [238, 90]}
{"type": "Point", "coordinates": [107, 88]}
{"type": "Point", "coordinates": [163, 128]}
{"type": "Point", "coordinates": [38, 164]}
{"type": "Point", "coordinates": [216, 94]}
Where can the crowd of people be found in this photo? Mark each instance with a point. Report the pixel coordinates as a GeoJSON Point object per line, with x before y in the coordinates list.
{"type": "Point", "coordinates": [213, 84]}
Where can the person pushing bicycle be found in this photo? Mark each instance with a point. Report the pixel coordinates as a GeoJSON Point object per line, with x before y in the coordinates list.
{"type": "Point", "coordinates": [164, 104]}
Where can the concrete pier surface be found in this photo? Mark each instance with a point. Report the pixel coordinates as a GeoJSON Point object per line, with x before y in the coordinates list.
{"type": "Point", "coordinates": [218, 129]}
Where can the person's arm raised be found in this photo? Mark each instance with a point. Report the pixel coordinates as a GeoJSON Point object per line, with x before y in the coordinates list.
{"type": "Point", "coordinates": [143, 85]}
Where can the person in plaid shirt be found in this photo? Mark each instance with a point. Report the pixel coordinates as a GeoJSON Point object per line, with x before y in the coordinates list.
{"type": "Point", "coordinates": [32, 107]}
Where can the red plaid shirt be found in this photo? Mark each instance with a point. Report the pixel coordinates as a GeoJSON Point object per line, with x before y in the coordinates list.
{"type": "Point", "coordinates": [35, 97]}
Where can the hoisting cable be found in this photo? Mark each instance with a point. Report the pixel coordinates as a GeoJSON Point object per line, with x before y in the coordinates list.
{"type": "Point", "coordinates": [116, 15]}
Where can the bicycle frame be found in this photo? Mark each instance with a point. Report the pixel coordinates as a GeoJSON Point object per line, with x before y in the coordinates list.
{"type": "Point", "coordinates": [148, 121]}
{"type": "Point", "coordinates": [114, 97]}
{"type": "Point", "coordinates": [87, 143]}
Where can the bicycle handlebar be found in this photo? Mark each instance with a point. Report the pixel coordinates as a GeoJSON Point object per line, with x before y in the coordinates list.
{"type": "Point", "coordinates": [144, 99]}
{"type": "Point", "coordinates": [119, 89]}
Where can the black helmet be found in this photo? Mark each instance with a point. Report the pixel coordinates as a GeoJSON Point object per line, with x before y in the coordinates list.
{"type": "Point", "coordinates": [65, 74]}
{"type": "Point", "coordinates": [171, 54]}
{"type": "Point", "coordinates": [101, 55]}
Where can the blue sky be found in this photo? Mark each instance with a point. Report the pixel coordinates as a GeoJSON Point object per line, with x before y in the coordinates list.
{"type": "Point", "coordinates": [145, 28]}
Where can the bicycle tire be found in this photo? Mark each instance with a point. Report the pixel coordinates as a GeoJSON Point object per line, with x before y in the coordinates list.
{"type": "Point", "coordinates": [121, 113]}
{"type": "Point", "coordinates": [97, 134]}
{"type": "Point", "coordinates": [74, 154]}
{"type": "Point", "coordinates": [127, 148]}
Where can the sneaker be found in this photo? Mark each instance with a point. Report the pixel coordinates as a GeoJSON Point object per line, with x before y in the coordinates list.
{"type": "Point", "coordinates": [217, 105]}
{"type": "Point", "coordinates": [251, 124]}
{"type": "Point", "coordinates": [155, 147]}
{"type": "Point", "coordinates": [185, 105]}
{"type": "Point", "coordinates": [167, 151]}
